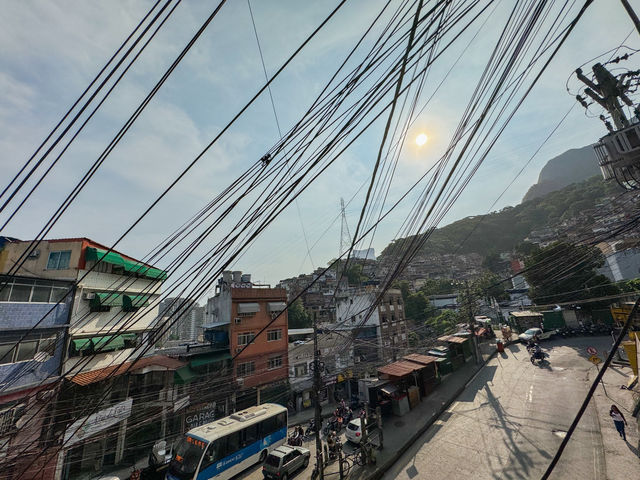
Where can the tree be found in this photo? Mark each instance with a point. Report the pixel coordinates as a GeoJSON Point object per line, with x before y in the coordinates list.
{"type": "Point", "coordinates": [445, 322]}
{"type": "Point", "coordinates": [297, 316]}
{"type": "Point", "coordinates": [563, 272]}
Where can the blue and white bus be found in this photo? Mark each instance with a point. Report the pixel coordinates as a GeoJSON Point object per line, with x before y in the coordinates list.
{"type": "Point", "coordinates": [223, 448]}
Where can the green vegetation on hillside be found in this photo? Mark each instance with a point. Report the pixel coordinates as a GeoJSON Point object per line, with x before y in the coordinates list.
{"type": "Point", "coordinates": [502, 231]}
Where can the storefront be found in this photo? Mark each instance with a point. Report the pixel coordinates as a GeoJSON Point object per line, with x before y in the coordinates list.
{"type": "Point", "coordinates": [429, 374]}
{"type": "Point", "coordinates": [96, 441]}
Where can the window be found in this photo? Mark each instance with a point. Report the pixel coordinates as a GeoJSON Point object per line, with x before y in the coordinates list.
{"type": "Point", "coordinates": [246, 368]}
{"type": "Point", "coordinates": [27, 290]}
{"type": "Point", "coordinates": [245, 338]}
{"type": "Point", "coordinates": [20, 293]}
{"type": "Point", "coordinates": [59, 260]}
{"type": "Point", "coordinates": [273, 424]}
{"type": "Point", "coordinates": [233, 443]}
{"type": "Point", "coordinates": [275, 362]}
{"type": "Point", "coordinates": [300, 370]}
{"type": "Point", "coordinates": [27, 349]}
{"type": "Point", "coordinates": [249, 435]}
{"type": "Point", "coordinates": [273, 335]}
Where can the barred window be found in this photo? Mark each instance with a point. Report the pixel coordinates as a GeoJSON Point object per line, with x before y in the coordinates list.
{"type": "Point", "coordinates": [275, 362]}
{"type": "Point", "coordinates": [245, 338]}
{"type": "Point", "coordinates": [273, 335]}
{"type": "Point", "coordinates": [246, 368]}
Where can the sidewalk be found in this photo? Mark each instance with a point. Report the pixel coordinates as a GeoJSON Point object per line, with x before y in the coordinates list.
{"type": "Point", "coordinates": [621, 458]}
{"type": "Point", "coordinates": [399, 432]}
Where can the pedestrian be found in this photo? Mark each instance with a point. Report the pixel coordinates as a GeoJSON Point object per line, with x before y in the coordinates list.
{"type": "Point", "coordinates": [618, 420]}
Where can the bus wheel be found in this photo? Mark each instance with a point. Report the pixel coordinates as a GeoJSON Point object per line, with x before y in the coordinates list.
{"type": "Point", "coordinates": [263, 455]}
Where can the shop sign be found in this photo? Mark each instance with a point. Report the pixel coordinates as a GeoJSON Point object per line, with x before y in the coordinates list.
{"type": "Point", "coordinates": [200, 414]}
{"type": "Point", "coordinates": [94, 423]}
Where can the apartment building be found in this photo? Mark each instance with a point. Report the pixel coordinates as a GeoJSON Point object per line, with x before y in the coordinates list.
{"type": "Point", "coordinates": [108, 302]}
{"type": "Point", "coordinates": [236, 314]}
{"type": "Point", "coordinates": [376, 322]}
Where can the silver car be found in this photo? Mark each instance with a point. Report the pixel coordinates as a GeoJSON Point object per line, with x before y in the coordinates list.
{"type": "Point", "coordinates": [284, 461]}
{"type": "Point", "coordinates": [535, 334]}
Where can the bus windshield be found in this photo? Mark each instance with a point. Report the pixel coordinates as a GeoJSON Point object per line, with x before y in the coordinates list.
{"type": "Point", "coordinates": [187, 457]}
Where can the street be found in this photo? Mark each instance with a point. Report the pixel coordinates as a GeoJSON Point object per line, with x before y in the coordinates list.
{"type": "Point", "coordinates": [510, 420]}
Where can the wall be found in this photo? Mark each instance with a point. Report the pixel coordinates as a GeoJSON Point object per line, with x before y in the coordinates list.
{"type": "Point", "coordinates": [37, 267]}
{"type": "Point", "coordinates": [261, 349]}
{"type": "Point", "coordinates": [85, 322]}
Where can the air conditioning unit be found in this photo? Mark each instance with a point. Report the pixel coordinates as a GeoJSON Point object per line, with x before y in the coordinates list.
{"type": "Point", "coordinates": [240, 381]}
{"type": "Point", "coordinates": [237, 320]}
{"type": "Point", "coordinates": [88, 295]}
{"type": "Point", "coordinates": [34, 254]}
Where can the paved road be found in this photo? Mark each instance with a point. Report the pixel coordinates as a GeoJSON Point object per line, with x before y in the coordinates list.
{"type": "Point", "coordinates": [510, 420]}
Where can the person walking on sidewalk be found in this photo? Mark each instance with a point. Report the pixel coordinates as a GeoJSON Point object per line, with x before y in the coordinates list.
{"type": "Point", "coordinates": [618, 420]}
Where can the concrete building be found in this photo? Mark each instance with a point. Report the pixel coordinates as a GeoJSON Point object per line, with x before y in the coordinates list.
{"type": "Point", "coordinates": [338, 359]}
{"type": "Point", "coordinates": [236, 314]}
{"type": "Point", "coordinates": [113, 310]}
{"type": "Point", "coordinates": [621, 262]}
{"type": "Point", "coordinates": [376, 323]}
{"type": "Point", "coordinates": [34, 314]}
{"type": "Point", "coordinates": [188, 328]}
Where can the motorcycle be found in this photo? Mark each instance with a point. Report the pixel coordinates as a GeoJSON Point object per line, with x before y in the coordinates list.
{"type": "Point", "coordinates": [538, 356]}
{"type": "Point", "coordinates": [311, 429]}
{"type": "Point", "coordinates": [295, 439]}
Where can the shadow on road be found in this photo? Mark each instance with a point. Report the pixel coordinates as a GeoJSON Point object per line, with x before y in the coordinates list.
{"type": "Point", "coordinates": [510, 428]}
{"type": "Point", "coordinates": [633, 449]}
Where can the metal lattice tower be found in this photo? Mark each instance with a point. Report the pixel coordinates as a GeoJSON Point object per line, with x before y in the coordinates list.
{"type": "Point", "coordinates": [345, 235]}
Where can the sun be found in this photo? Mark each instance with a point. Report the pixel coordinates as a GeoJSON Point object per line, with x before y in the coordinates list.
{"type": "Point", "coordinates": [421, 139]}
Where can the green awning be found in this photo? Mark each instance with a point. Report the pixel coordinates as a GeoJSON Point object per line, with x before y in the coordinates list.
{"type": "Point", "coordinates": [210, 358]}
{"type": "Point", "coordinates": [81, 344]}
{"type": "Point", "coordinates": [108, 343]}
{"type": "Point", "coordinates": [184, 375]}
{"type": "Point", "coordinates": [132, 337]}
{"type": "Point", "coordinates": [93, 254]}
{"type": "Point", "coordinates": [131, 302]}
{"type": "Point", "coordinates": [144, 270]}
{"type": "Point", "coordinates": [106, 299]}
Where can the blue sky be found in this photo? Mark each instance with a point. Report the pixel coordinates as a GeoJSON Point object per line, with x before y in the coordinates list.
{"type": "Point", "coordinates": [51, 50]}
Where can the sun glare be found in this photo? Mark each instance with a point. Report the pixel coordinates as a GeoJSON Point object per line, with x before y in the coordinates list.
{"type": "Point", "coordinates": [421, 139]}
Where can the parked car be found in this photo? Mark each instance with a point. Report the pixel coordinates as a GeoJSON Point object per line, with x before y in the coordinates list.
{"type": "Point", "coordinates": [283, 461]}
{"type": "Point", "coordinates": [354, 431]}
{"type": "Point", "coordinates": [535, 334]}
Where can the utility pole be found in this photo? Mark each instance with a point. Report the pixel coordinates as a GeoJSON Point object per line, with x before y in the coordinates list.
{"type": "Point", "coordinates": [472, 322]}
{"type": "Point", "coordinates": [317, 385]}
{"type": "Point", "coordinates": [632, 14]}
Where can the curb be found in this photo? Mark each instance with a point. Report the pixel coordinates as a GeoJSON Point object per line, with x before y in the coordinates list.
{"type": "Point", "coordinates": [379, 472]}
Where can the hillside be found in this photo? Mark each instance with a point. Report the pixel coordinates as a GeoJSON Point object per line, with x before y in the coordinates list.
{"type": "Point", "coordinates": [501, 231]}
{"type": "Point", "coordinates": [572, 166]}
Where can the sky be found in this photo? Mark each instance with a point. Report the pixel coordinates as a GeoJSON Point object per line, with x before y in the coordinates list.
{"type": "Point", "coordinates": [52, 50]}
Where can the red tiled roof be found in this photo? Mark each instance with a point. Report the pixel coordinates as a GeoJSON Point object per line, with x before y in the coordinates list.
{"type": "Point", "coordinates": [421, 359]}
{"type": "Point", "coordinates": [400, 368]}
{"type": "Point", "coordinates": [87, 378]}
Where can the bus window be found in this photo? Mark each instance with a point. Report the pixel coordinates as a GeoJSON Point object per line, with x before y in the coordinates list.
{"type": "Point", "coordinates": [233, 443]}
{"type": "Point", "coordinates": [268, 426]}
{"type": "Point", "coordinates": [214, 453]}
{"type": "Point", "coordinates": [187, 457]}
{"type": "Point", "coordinates": [281, 420]}
{"type": "Point", "coordinates": [249, 435]}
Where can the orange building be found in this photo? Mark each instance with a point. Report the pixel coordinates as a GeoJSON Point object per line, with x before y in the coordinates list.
{"type": "Point", "coordinates": [239, 311]}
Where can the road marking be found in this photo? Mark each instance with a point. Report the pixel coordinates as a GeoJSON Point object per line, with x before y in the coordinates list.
{"type": "Point", "coordinates": [531, 394]}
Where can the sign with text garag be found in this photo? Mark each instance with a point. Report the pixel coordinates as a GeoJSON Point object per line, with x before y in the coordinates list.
{"type": "Point", "coordinates": [85, 427]}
